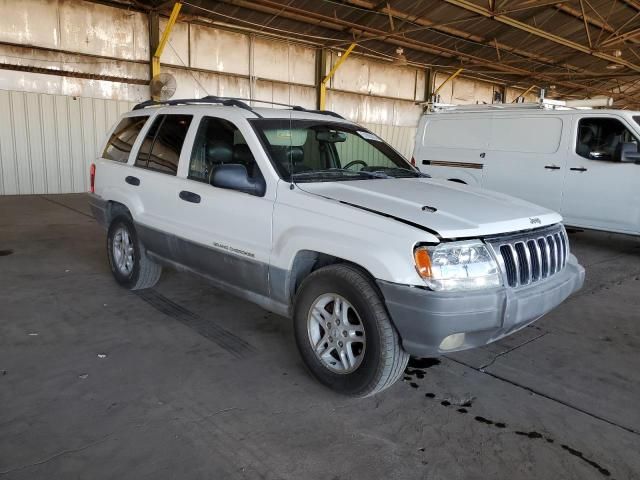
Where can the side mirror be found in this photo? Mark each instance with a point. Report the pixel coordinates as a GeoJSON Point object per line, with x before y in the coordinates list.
{"type": "Point", "coordinates": [627, 153]}
{"type": "Point", "coordinates": [234, 176]}
{"type": "Point", "coordinates": [598, 155]}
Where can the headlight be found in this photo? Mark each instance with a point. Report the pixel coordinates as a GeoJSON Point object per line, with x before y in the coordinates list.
{"type": "Point", "coordinates": [464, 265]}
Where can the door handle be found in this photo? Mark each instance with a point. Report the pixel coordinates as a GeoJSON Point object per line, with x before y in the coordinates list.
{"type": "Point", "coordinates": [189, 196]}
{"type": "Point", "coordinates": [579, 169]}
{"type": "Point", "coordinates": [552, 167]}
{"type": "Point", "coordinates": [132, 180]}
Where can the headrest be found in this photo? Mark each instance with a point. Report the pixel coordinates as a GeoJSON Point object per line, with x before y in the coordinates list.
{"type": "Point", "coordinates": [242, 154]}
{"type": "Point", "coordinates": [295, 155]}
{"type": "Point", "coordinates": [219, 151]}
{"type": "Point", "coordinates": [587, 132]}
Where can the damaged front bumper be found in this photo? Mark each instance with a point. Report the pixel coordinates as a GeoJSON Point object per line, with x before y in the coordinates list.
{"type": "Point", "coordinates": [432, 323]}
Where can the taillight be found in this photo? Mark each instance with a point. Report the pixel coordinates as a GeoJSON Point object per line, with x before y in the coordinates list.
{"type": "Point", "coordinates": [92, 178]}
{"type": "Point", "coordinates": [413, 161]}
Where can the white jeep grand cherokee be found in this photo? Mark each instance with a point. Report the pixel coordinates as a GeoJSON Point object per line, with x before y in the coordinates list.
{"type": "Point", "coordinates": [317, 219]}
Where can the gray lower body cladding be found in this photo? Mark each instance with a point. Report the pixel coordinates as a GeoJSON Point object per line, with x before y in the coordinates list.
{"type": "Point", "coordinates": [425, 318]}
{"type": "Point", "coordinates": [98, 209]}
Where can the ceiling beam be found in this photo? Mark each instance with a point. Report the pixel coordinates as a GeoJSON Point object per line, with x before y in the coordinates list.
{"type": "Point", "coordinates": [361, 32]}
{"type": "Point", "coordinates": [459, 33]}
{"type": "Point", "coordinates": [498, 17]}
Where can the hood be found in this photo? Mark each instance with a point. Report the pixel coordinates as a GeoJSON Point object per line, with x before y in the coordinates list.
{"type": "Point", "coordinates": [449, 209]}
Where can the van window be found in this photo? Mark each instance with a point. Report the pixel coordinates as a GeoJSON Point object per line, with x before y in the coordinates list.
{"type": "Point", "coordinates": [123, 137]}
{"type": "Point", "coordinates": [162, 145]}
{"type": "Point", "coordinates": [598, 138]}
{"type": "Point", "coordinates": [458, 132]}
{"type": "Point", "coordinates": [526, 134]}
{"type": "Point", "coordinates": [217, 142]}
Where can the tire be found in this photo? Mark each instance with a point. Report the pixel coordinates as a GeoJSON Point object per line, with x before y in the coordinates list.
{"type": "Point", "coordinates": [140, 271]}
{"type": "Point", "coordinates": [378, 359]}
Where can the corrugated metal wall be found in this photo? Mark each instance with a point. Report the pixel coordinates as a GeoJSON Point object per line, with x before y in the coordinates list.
{"type": "Point", "coordinates": [47, 142]}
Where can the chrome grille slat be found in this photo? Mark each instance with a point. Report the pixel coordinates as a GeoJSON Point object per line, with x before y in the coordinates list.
{"type": "Point", "coordinates": [516, 262]}
{"type": "Point", "coordinates": [536, 260]}
{"type": "Point", "coordinates": [528, 258]}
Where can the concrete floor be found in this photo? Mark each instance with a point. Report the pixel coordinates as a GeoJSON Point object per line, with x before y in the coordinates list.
{"type": "Point", "coordinates": [186, 382]}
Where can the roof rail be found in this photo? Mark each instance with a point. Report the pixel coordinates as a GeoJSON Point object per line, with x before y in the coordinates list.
{"type": "Point", "coordinates": [298, 108]}
{"type": "Point", "coordinates": [231, 102]}
{"type": "Point", "coordinates": [227, 102]}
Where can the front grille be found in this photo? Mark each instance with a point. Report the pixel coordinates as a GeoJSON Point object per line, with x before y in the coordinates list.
{"type": "Point", "coordinates": [532, 256]}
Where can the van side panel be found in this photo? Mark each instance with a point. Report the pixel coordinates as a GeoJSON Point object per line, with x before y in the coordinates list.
{"type": "Point", "coordinates": [526, 158]}
{"type": "Point", "coordinates": [453, 147]}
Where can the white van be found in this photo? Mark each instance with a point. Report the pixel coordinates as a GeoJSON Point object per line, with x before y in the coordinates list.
{"type": "Point", "coordinates": [583, 163]}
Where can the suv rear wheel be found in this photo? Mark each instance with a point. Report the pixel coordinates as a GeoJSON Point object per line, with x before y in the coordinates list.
{"type": "Point", "coordinates": [130, 265]}
{"type": "Point", "coordinates": [344, 333]}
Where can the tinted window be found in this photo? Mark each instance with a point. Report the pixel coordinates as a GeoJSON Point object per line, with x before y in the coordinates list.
{"type": "Point", "coordinates": [122, 139]}
{"type": "Point", "coordinates": [162, 145]}
{"type": "Point", "coordinates": [218, 142]}
{"type": "Point", "coordinates": [600, 138]}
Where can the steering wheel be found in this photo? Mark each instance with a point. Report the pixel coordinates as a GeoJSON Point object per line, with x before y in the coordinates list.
{"type": "Point", "coordinates": [355, 162]}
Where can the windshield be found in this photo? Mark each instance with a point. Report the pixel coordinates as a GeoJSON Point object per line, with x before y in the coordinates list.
{"type": "Point", "coordinates": [311, 151]}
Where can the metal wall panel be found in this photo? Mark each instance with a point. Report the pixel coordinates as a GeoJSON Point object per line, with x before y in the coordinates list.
{"type": "Point", "coordinates": [79, 87]}
{"type": "Point", "coordinates": [360, 74]}
{"type": "Point", "coordinates": [47, 142]}
{"type": "Point", "coordinates": [101, 30]}
{"type": "Point", "coordinates": [462, 90]}
{"type": "Point", "coordinates": [286, 62]}
{"type": "Point", "coordinates": [31, 22]}
{"type": "Point", "coordinates": [219, 50]}
{"type": "Point", "coordinates": [176, 51]}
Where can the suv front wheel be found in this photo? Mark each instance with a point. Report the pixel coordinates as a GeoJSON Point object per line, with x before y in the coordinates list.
{"type": "Point", "coordinates": [344, 333]}
{"type": "Point", "coordinates": [130, 265]}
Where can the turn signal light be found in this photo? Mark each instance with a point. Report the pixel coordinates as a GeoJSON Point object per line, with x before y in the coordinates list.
{"type": "Point", "coordinates": [92, 178]}
{"type": "Point", "coordinates": [423, 262]}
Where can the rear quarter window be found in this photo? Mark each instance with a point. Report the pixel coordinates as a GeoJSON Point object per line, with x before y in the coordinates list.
{"type": "Point", "coordinates": [123, 137]}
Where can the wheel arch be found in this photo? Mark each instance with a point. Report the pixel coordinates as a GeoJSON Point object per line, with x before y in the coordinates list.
{"type": "Point", "coordinates": [306, 262]}
{"type": "Point", "coordinates": [115, 209]}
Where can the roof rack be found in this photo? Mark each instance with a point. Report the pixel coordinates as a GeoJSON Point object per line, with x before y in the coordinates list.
{"type": "Point", "coordinates": [231, 102]}
{"type": "Point", "coordinates": [227, 102]}
{"type": "Point", "coordinates": [542, 104]}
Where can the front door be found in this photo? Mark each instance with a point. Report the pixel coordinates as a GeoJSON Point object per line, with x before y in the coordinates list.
{"type": "Point", "coordinates": [227, 232]}
{"type": "Point", "coordinates": [600, 191]}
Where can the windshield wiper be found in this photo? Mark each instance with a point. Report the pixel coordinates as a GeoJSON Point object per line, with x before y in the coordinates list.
{"type": "Point", "coordinates": [416, 173]}
{"type": "Point", "coordinates": [340, 171]}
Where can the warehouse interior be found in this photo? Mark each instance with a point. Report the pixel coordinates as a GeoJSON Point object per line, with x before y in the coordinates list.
{"type": "Point", "coordinates": [183, 380]}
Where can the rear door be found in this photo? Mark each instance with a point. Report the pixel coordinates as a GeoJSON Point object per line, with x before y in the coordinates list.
{"type": "Point", "coordinates": [526, 158]}
{"type": "Point", "coordinates": [154, 178]}
{"type": "Point", "coordinates": [600, 191]}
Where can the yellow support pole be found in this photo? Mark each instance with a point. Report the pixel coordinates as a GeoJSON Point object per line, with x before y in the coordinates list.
{"type": "Point", "coordinates": [524, 94]}
{"type": "Point", "coordinates": [325, 80]}
{"type": "Point", "coordinates": [449, 78]}
{"type": "Point", "coordinates": [155, 62]}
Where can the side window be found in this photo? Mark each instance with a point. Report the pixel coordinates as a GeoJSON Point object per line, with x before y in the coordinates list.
{"type": "Point", "coordinates": [160, 150]}
{"type": "Point", "coordinates": [602, 138]}
{"type": "Point", "coordinates": [122, 139]}
{"type": "Point", "coordinates": [217, 142]}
